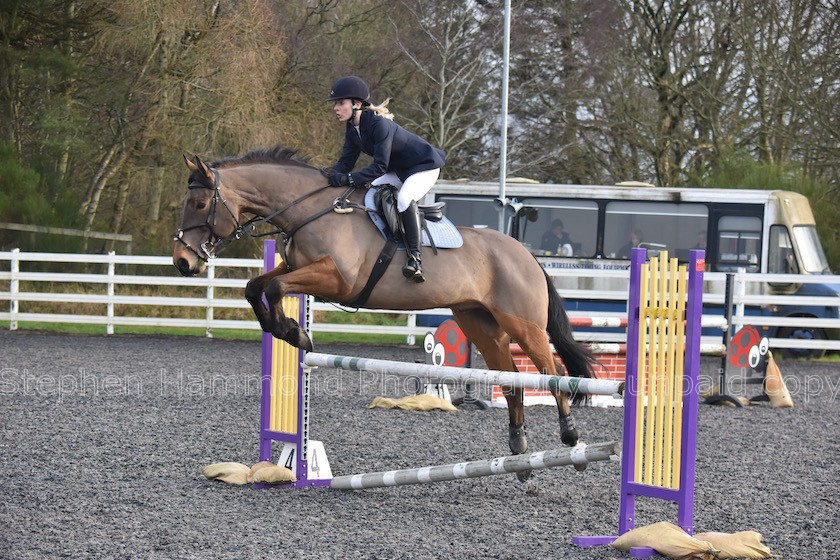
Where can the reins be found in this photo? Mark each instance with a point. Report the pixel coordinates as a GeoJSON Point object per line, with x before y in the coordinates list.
{"type": "Point", "coordinates": [211, 248]}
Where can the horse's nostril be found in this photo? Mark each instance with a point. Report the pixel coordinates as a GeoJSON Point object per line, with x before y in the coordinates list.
{"type": "Point", "coordinates": [183, 265]}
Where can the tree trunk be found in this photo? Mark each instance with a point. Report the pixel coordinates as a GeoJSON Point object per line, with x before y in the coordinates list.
{"type": "Point", "coordinates": [119, 211]}
{"type": "Point", "coordinates": [98, 186]}
{"type": "Point", "coordinates": [155, 197]}
{"type": "Point", "coordinates": [95, 180]}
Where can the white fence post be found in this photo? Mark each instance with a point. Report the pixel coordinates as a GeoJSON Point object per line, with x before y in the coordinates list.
{"type": "Point", "coordinates": [109, 321]}
{"type": "Point", "coordinates": [740, 290]}
{"type": "Point", "coordinates": [412, 322]}
{"type": "Point", "coordinates": [211, 274]}
{"type": "Point", "coordinates": [14, 288]}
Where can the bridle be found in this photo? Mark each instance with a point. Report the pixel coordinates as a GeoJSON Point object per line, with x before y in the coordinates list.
{"type": "Point", "coordinates": [210, 247]}
{"type": "Point", "coordinates": [216, 244]}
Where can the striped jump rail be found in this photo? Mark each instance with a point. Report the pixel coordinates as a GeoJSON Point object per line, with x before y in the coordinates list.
{"type": "Point", "coordinates": [604, 322]}
{"type": "Point", "coordinates": [579, 456]}
{"type": "Point", "coordinates": [467, 375]}
{"type": "Point", "coordinates": [617, 322]}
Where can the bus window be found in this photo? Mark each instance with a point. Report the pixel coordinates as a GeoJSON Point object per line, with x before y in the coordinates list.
{"type": "Point", "coordinates": [781, 258]}
{"type": "Point", "coordinates": [470, 211]}
{"type": "Point", "coordinates": [563, 227]}
{"type": "Point", "coordinates": [810, 249]}
{"type": "Point", "coordinates": [654, 226]}
{"type": "Point", "coordinates": [739, 243]}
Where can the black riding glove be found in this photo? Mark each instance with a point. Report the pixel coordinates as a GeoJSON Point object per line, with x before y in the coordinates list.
{"type": "Point", "coordinates": [339, 179]}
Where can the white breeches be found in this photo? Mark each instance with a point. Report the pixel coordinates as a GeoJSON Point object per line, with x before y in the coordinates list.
{"type": "Point", "coordinates": [415, 186]}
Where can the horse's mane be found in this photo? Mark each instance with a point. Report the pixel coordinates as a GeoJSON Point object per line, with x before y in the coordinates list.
{"type": "Point", "coordinates": [278, 154]}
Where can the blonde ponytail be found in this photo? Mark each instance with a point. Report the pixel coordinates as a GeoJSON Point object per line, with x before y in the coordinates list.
{"type": "Point", "coordinates": [382, 109]}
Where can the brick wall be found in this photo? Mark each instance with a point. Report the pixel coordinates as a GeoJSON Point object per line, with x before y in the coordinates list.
{"type": "Point", "coordinates": [613, 368]}
{"type": "Point", "coordinates": [613, 364]}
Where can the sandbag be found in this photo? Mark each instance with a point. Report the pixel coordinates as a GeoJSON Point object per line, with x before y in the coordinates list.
{"type": "Point", "coordinates": [424, 402]}
{"type": "Point", "coordinates": [258, 466]}
{"type": "Point", "coordinates": [232, 473]}
{"type": "Point", "coordinates": [774, 385]}
{"type": "Point", "coordinates": [744, 544]}
{"type": "Point", "coordinates": [705, 393]}
{"type": "Point", "coordinates": [266, 472]}
{"type": "Point", "coordinates": [668, 540]}
{"type": "Point", "coordinates": [714, 391]}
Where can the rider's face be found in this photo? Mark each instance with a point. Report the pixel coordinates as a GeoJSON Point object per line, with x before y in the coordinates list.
{"type": "Point", "coordinates": [343, 109]}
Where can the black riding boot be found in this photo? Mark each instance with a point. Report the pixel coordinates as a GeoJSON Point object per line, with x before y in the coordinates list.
{"type": "Point", "coordinates": [410, 218]}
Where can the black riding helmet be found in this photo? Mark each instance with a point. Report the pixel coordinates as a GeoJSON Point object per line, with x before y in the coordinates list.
{"type": "Point", "coordinates": [350, 87]}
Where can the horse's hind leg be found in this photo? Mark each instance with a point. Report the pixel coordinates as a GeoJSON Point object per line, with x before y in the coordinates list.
{"type": "Point", "coordinates": [548, 364]}
{"type": "Point", "coordinates": [534, 342]}
{"type": "Point", "coordinates": [494, 344]}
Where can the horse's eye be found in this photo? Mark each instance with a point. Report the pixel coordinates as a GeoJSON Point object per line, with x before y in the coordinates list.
{"type": "Point", "coordinates": [201, 205]}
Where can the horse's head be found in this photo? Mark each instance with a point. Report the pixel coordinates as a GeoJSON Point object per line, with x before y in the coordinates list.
{"type": "Point", "coordinates": [208, 218]}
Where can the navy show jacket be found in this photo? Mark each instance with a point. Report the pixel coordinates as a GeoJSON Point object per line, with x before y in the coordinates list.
{"type": "Point", "coordinates": [392, 147]}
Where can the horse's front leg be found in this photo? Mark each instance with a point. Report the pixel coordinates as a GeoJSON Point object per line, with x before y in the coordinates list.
{"type": "Point", "coordinates": [254, 294]}
{"type": "Point", "coordinates": [320, 278]}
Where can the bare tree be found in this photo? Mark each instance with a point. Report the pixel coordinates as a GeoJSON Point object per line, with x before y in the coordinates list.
{"type": "Point", "coordinates": [186, 80]}
{"type": "Point", "coordinates": [561, 54]}
{"type": "Point", "coordinates": [453, 82]}
{"type": "Point", "coordinates": [791, 50]}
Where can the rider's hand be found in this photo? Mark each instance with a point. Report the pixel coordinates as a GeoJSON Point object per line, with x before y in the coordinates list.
{"type": "Point", "coordinates": [339, 179]}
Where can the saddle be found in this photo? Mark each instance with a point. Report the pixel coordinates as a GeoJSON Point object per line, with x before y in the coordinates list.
{"type": "Point", "coordinates": [385, 202]}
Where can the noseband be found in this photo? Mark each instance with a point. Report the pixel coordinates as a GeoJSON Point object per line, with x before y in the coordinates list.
{"type": "Point", "coordinates": [216, 243]}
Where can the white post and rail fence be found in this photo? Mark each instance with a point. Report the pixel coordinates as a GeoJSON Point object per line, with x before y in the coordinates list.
{"type": "Point", "coordinates": [146, 291]}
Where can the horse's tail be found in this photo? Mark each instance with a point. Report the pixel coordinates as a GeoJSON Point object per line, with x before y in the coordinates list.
{"type": "Point", "coordinates": [577, 358]}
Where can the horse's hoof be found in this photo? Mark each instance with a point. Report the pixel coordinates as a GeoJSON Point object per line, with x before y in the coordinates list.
{"type": "Point", "coordinates": [568, 434]}
{"type": "Point", "coordinates": [524, 476]}
{"type": "Point", "coordinates": [297, 337]}
{"type": "Point", "coordinates": [303, 340]}
{"type": "Point", "coordinates": [517, 438]}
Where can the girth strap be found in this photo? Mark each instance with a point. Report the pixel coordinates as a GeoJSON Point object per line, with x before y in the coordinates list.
{"type": "Point", "coordinates": [382, 262]}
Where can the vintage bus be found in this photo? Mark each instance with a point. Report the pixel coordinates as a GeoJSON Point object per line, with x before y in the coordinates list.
{"type": "Point", "coordinates": [760, 231]}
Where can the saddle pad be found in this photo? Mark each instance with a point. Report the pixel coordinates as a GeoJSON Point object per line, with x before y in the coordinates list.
{"type": "Point", "coordinates": [444, 232]}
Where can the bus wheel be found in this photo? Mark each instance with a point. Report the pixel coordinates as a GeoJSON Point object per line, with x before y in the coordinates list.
{"type": "Point", "coordinates": [802, 333]}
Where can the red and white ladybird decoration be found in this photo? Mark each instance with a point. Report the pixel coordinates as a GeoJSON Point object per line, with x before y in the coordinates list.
{"type": "Point", "coordinates": [748, 349]}
{"type": "Point", "coordinates": [448, 346]}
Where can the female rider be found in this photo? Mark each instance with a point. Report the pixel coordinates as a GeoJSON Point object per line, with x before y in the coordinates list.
{"type": "Point", "coordinates": [400, 158]}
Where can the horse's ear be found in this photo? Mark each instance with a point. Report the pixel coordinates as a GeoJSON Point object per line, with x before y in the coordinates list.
{"type": "Point", "coordinates": [190, 165]}
{"type": "Point", "coordinates": [203, 167]}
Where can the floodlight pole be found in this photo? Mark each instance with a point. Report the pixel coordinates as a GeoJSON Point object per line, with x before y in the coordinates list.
{"type": "Point", "coordinates": [503, 143]}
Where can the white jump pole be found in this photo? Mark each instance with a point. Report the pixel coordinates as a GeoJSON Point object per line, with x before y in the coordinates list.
{"type": "Point", "coordinates": [452, 374]}
{"type": "Point", "coordinates": [579, 456]}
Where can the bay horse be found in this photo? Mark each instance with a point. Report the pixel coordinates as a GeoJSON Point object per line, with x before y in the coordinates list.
{"type": "Point", "coordinates": [496, 289]}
